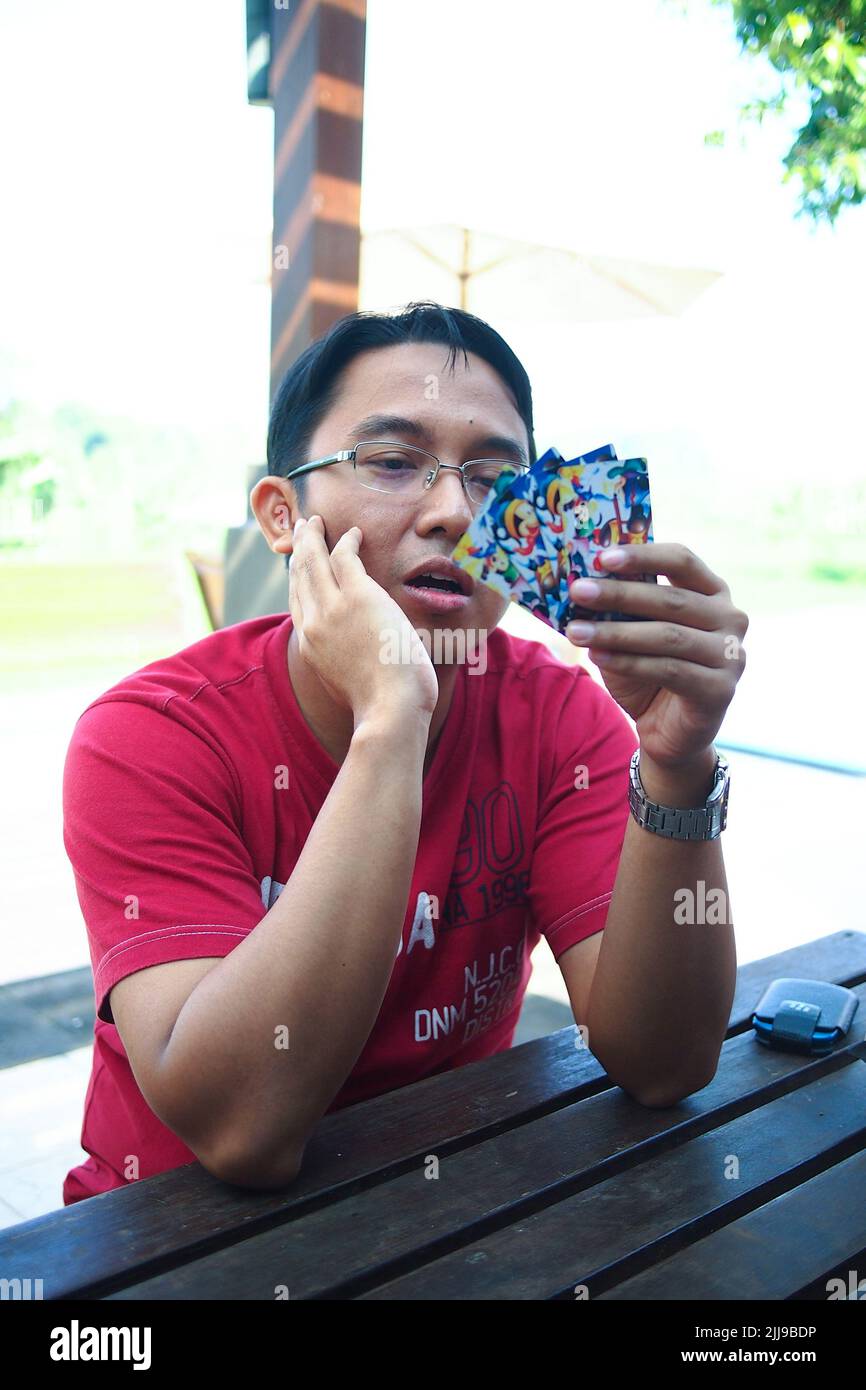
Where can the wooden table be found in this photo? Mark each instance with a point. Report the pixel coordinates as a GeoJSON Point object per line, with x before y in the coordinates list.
{"type": "Point", "coordinates": [550, 1180]}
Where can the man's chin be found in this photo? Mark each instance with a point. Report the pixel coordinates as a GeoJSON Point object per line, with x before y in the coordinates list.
{"type": "Point", "coordinates": [458, 637]}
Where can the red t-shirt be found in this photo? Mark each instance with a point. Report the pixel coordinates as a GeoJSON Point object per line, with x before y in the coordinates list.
{"type": "Point", "coordinates": [190, 788]}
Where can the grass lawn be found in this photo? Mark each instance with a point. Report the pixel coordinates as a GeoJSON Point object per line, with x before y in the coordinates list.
{"type": "Point", "coordinates": [67, 623]}
{"type": "Point", "coordinates": [768, 592]}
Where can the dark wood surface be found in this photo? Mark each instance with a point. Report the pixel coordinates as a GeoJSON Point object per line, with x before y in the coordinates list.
{"type": "Point", "coordinates": [550, 1180]}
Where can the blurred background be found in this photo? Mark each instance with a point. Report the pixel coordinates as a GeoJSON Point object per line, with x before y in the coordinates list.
{"type": "Point", "coordinates": [658, 203]}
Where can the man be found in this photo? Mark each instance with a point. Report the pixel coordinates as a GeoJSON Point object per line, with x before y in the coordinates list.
{"type": "Point", "coordinates": [312, 872]}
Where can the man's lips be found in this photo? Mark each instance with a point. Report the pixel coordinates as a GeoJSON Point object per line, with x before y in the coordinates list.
{"type": "Point", "coordinates": [438, 600]}
{"type": "Point", "coordinates": [439, 567]}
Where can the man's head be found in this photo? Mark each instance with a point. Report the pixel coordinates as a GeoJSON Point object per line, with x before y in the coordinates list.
{"type": "Point", "coordinates": [401, 365]}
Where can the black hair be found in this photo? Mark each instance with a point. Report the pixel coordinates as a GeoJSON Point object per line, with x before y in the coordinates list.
{"type": "Point", "coordinates": [311, 385]}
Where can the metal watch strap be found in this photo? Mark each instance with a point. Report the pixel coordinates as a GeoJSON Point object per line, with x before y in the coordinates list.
{"type": "Point", "coordinates": [681, 823]}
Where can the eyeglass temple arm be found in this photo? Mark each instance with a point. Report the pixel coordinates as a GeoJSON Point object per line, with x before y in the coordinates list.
{"type": "Point", "coordinates": [320, 463]}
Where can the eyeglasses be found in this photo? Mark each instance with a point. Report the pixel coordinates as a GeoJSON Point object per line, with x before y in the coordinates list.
{"type": "Point", "coordinates": [384, 466]}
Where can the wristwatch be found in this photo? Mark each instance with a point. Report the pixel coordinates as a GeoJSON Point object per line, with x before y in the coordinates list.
{"type": "Point", "coordinates": [677, 823]}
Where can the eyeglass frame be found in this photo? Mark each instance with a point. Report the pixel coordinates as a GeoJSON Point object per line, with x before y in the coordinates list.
{"type": "Point", "coordinates": [343, 456]}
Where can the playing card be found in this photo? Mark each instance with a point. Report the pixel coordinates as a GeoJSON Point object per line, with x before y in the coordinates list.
{"type": "Point", "coordinates": [509, 535]}
{"type": "Point", "coordinates": [529, 524]}
{"type": "Point", "coordinates": [571, 473]}
{"type": "Point", "coordinates": [574, 513]}
{"type": "Point", "coordinates": [486, 561]}
{"type": "Point", "coordinates": [611, 507]}
{"type": "Point", "coordinates": [503, 567]}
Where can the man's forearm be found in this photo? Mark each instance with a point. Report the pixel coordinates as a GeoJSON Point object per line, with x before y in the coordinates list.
{"type": "Point", "coordinates": [666, 973]}
{"type": "Point", "coordinates": [273, 1030]}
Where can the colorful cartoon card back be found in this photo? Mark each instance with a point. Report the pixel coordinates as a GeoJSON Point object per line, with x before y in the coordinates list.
{"type": "Point", "coordinates": [545, 527]}
{"type": "Point", "coordinates": [611, 506]}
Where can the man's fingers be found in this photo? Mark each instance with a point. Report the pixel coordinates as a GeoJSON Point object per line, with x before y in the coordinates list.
{"type": "Point", "coordinates": [295, 603]}
{"type": "Point", "coordinates": [676, 562]}
{"type": "Point", "coordinates": [346, 563]}
{"type": "Point", "coordinates": [311, 566]}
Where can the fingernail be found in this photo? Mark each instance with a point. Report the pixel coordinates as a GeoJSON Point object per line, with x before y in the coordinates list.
{"type": "Point", "coordinates": [298, 524]}
{"type": "Point", "coordinates": [614, 557]}
{"type": "Point", "coordinates": [580, 632]}
{"type": "Point", "coordinates": [586, 588]}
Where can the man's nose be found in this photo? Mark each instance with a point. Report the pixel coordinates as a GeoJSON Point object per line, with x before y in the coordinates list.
{"type": "Point", "coordinates": [448, 493]}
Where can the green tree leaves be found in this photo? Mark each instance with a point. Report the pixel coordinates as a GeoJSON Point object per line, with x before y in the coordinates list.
{"type": "Point", "coordinates": [818, 47]}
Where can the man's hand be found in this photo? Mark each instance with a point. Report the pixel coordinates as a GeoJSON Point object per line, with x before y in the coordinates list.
{"type": "Point", "coordinates": [342, 617]}
{"type": "Point", "coordinates": [676, 674]}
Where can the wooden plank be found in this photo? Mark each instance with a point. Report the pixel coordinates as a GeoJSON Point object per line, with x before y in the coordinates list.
{"type": "Point", "coordinates": [585, 1244]}
{"type": "Point", "coordinates": [97, 1244]}
{"type": "Point", "coordinates": [354, 1243]}
{"type": "Point", "coordinates": [773, 1252]}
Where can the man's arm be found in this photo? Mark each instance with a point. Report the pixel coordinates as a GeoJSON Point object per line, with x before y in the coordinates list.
{"type": "Point", "coordinates": [317, 965]}
{"type": "Point", "coordinates": [661, 993]}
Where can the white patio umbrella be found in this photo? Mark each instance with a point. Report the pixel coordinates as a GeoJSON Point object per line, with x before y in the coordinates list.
{"type": "Point", "coordinates": [495, 276]}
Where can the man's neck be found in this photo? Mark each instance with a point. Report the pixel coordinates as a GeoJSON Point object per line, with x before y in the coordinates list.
{"type": "Point", "coordinates": [333, 725]}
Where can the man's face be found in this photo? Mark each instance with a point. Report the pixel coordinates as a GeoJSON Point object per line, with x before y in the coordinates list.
{"type": "Point", "coordinates": [459, 409]}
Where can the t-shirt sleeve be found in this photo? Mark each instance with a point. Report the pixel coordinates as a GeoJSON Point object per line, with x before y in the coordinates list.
{"type": "Point", "coordinates": [151, 815]}
{"type": "Point", "coordinates": [582, 816]}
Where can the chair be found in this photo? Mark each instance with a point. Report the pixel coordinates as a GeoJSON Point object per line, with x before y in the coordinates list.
{"type": "Point", "coordinates": [210, 574]}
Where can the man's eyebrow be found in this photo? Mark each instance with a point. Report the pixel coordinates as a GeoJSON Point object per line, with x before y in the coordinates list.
{"type": "Point", "coordinates": [387, 426]}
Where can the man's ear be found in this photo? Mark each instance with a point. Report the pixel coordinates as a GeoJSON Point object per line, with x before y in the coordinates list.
{"type": "Point", "coordinates": [274, 504]}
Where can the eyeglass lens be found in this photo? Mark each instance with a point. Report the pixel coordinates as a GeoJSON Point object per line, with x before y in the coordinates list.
{"type": "Point", "coordinates": [386, 467]}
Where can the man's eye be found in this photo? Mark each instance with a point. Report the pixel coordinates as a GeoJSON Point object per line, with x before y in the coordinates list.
{"type": "Point", "coordinates": [390, 462]}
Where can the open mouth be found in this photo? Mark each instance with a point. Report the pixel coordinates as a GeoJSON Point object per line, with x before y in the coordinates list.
{"type": "Point", "coordinates": [434, 581]}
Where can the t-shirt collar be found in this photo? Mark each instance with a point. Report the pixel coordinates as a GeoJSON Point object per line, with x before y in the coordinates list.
{"type": "Point", "coordinates": [457, 736]}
